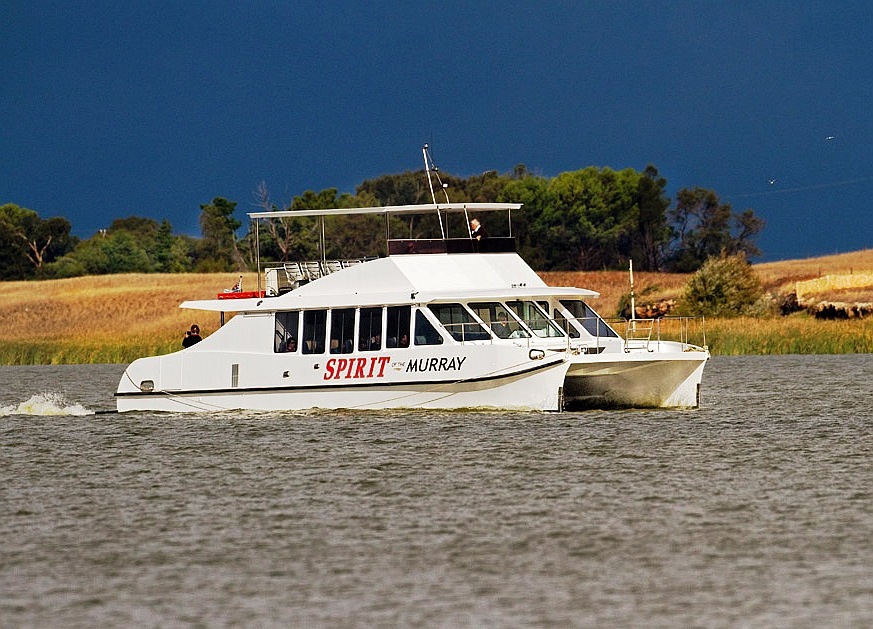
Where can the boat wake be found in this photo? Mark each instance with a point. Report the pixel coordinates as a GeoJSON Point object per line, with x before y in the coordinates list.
{"type": "Point", "coordinates": [48, 404]}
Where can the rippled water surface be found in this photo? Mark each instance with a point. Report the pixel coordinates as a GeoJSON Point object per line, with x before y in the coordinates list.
{"type": "Point", "coordinates": [754, 510]}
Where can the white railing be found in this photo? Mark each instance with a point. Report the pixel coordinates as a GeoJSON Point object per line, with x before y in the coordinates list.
{"type": "Point", "coordinates": [689, 331]}
{"type": "Point", "coordinates": [283, 276]}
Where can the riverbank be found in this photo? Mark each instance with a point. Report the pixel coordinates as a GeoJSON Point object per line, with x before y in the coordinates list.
{"type": "Point", "coordinates": [118, 318]}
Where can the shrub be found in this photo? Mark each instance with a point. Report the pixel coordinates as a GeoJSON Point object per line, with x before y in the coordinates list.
{"type": "Point", "coordinates": [725, 286]}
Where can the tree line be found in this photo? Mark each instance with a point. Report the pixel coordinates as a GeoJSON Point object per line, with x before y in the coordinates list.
{"type": "Point", "coordinates": [589, 219]}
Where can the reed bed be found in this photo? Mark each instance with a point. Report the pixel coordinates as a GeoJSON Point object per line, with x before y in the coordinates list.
{"type": "Point", "coordinates": [797, 334]}
{"type": "Point", "coordinates": [62, 352]}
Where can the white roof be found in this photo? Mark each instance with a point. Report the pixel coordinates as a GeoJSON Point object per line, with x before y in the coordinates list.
{"type": "Point", "coordinates": [392, 209]}
{"type": "Point", "coordinates": [401, 279]}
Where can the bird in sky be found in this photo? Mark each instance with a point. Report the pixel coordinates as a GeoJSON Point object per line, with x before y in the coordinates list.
{"type": "Point", "coordinates": [771, 181]}
{"type": "Point", "coordinates": [830, 137]}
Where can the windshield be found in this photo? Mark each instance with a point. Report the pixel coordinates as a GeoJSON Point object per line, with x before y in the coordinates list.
{"type": "Point", "coordinates": [535, 318]}
{"type": "Point", "coordinates": [586, 317]}
{"type": "Point", "coordinates": [501, 320]}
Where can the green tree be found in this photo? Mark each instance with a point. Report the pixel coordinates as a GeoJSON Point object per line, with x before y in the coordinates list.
{"type": "Point", "coordinates": [182, 254]}
{"type": "Point", "coordinates": [145, 231]}
{"type": "Point", "coordinates": [161, 251]}
{"type": "Point", "coordinates": [114, 252]}
{"type": "Point", "coordinates": [747, 226]}
{"type": "Point", "coordinates": [532, 193]}
{"type": "Point", "coordinates": [219, 251]}
{"type": "Point", "coordinates": [407, 188]}
{"type": "Point", "coordinates": [130, 245]}
{"type": "Point", "coordinates": [704, 227]}
{"type": "Point", "coordinates": [28, 243]}
{"type": "Point", "coordinates": [652, 233]}
{"type": "Point", "coordinates": [139, 226]}
{"type": "Point", "coordinates": [587, 219]}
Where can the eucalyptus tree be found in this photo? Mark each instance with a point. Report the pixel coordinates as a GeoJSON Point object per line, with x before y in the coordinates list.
{"type": "Point", "coordinates": [704, 227]}
{"type": "Point", "coordinates": [28, 243]}
{"type": "Point", "coordinates": [219, 250]}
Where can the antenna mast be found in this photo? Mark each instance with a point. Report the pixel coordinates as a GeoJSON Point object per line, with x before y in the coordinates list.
{"type": "Point", "coordinates": [428, 167]}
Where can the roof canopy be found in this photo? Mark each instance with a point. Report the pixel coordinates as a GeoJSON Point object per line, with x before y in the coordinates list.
{"type": "Point", "coordinates": [392, 209]}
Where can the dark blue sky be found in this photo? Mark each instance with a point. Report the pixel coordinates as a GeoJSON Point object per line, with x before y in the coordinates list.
{"type": "Point", "coordinates": [110, 109]}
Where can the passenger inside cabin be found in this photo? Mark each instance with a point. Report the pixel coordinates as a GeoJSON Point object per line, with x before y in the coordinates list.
{"type": "Point", "coordinates": [291, 345]}
{"type": "Point", "coordinates": [500, 327]}
{"type": "Point", "coordinates": [404, 340]}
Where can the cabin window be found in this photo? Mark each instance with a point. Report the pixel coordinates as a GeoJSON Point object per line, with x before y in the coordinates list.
{"type": "Point", "coordinates": [501, 321]}
{"type": "Point", "coordinates": [560, 317]}
{"type": "Point", "coordinates": [425, 333]}
{"type": "Point", "coordinates": [314, 328]}
{"type": "Point", "coordinates": [370, 330]}
{"type": "Point", "coordinates": [342, 330]}
{"type": "Point", "coordinates": [397, 326]}
{"type": "Point", "coordinates": [460, 323]}
{"type": "Point", "coordinates": [535, 318]}
{"type": "Point", "coordinates": [583, 314]}
{"type": "Point", "coordinates": [285, 339]}
{"type": "Point", "coordinates": [565, 325]}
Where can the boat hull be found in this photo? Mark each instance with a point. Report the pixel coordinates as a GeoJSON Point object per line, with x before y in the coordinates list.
{"type": "Point", "coordinates": [529, 384]}
{"type": "Point", "coordinates": [638, 379]}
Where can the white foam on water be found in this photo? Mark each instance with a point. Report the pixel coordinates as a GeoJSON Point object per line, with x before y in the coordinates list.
{"type": "Point", "coordinates": [47, 404]}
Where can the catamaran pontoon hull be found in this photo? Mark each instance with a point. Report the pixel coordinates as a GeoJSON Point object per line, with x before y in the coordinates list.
{"type": "Point", "coordinates": [639, 380]}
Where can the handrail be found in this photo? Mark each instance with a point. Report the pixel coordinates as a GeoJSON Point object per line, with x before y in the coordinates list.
{"type": "Point", "coordinates": [297, 273]}
{"type": "Point", "coordinates": [677, 329]}
{"type": "Point", "coordinates": [646, 333]}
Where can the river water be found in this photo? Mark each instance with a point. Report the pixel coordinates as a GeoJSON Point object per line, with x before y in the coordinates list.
{"type": "Point", "coordinates": [755, 510]}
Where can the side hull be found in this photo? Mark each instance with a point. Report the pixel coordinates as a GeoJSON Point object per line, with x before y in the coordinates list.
{"type": "Point", "coordinates": [534, 387]}
{"type": "Point", "coordinates": [646, 380]}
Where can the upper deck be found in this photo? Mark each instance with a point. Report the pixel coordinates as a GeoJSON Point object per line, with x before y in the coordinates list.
{"type": "Point", "coordinates": [455, 237]}
{"type": "Point", "coordinates": [461, 241]}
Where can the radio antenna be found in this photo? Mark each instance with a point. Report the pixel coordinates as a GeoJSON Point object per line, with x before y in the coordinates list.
{"type": "Point", "coordinates": [429, 167]}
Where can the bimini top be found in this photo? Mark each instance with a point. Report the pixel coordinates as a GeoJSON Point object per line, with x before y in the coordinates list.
{"type": "Point", "coordinates": [392, 209]}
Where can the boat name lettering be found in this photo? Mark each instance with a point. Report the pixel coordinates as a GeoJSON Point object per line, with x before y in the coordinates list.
{"type": "Point", "coordinates": [436, 364]}
{"type": "Point", "coordinates": [350, 368]}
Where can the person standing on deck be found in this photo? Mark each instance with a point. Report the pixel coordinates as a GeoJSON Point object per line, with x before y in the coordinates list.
{"type": "Point", "coordinates": [477, 231]}
{"type": "Point", "coordinates": [192, 336]}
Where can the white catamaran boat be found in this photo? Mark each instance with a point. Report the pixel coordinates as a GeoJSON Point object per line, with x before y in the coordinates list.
{"type": "Point", "coordinates": [439, 323]}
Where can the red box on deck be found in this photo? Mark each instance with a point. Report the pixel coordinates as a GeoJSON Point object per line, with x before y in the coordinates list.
{"type": "Point", "coordinates": [241, 294]}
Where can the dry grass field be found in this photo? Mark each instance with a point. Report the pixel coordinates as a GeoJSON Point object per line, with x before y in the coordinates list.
{"type": "Point", "coordinates": [777, 277]}
{"type": "Point", "coordinates": [613, 284]}
{"type": "Point", "coordinates": [105, 318]}
{"type": "Point", "coordinates": [117, 318]}
{"type": "Point", "coordinates": [782, 276]}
